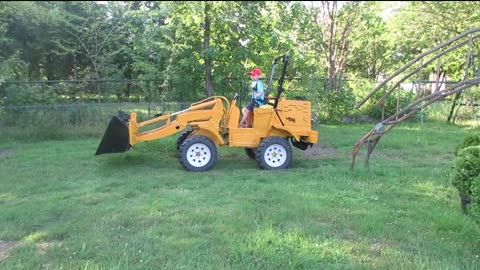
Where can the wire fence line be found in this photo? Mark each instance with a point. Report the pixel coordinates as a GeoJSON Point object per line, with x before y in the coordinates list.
{"type": "Point", "coordinates": [64, 115]}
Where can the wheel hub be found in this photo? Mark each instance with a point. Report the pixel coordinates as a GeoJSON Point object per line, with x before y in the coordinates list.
{"type": "Point", "coordinates": [275, 155]}
{"type": "Point", "coordinates": [198, 155]}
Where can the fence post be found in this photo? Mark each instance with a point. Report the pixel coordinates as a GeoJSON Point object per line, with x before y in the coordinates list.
{"type": "Point", "coordinates": [99, 91]}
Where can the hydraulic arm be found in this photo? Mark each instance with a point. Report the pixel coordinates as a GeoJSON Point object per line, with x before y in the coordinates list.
{"type": "Point", "coordinates": [124, 131]}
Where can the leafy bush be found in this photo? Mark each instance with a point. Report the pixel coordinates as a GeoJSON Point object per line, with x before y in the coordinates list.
{"type": "Point", "coordinates": [474, 207]}
{"type": "Point", "coordinates": [466, 168]}
{"type": "Point", "coordinates": [28, 94]}
{"type": "Point", "coordinates": [471, 140]}
{"type": "Point", "coordinates": [334, 105]}
{"type": "Point", "coordinates": [362, 87]}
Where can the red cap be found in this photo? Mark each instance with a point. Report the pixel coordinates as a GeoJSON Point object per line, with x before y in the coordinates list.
{"type": "Point", "coordinates": [255, 71]}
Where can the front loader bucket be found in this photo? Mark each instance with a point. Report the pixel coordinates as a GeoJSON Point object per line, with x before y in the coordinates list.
{"type": "Point", "coordinates": [116, 138]}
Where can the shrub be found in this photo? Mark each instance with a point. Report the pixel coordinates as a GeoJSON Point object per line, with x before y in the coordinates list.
{"type": "Point", "coordinates": [334, 105]}
{"type": "Point", "coordinates": [471, 140]}
{"type": "Point", "coordinates": [466, 168]}
{"type": "Point", "coordinates": [28, 94]}
{"type": "Point", "coordinates": [362, 87]}
{"type": "Point", "coordinates": [474, 206]}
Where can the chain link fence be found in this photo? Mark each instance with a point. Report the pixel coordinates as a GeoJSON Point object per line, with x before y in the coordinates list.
{"type": "Point", "coordinates": [80, 119]}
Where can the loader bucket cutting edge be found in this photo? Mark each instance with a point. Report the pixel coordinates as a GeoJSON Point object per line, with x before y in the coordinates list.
{"type": "Point", "coordinates": [116, 138]}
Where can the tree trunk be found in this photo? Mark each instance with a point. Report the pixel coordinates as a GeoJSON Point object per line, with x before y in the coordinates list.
{"type": "Point", "coordinates": [206, 48]}
{"type": "Point", "coordinates": [331, 32]}
{"type": "Point", "coordinates": [336, 33]}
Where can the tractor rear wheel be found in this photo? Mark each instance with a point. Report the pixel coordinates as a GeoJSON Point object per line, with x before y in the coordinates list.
{"type": "Point", "coordinates": [198, 154]}
{"type": "Point", "coordinates": [274, 153]}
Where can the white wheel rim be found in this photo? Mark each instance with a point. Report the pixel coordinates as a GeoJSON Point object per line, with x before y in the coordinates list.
{"type": "Point", "coordinates": [275, 155]}
{"type": "Point", "coordinates": [198, 155]}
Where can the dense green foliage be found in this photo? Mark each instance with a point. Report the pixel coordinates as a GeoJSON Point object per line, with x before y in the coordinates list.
{"type": "Point", "coordinates": [471, 140]}
{"type": "Point", "coordinates": [474, 206]}
{"type": "Point", "coordinates": [466, 169]}
{"type": "Point", "coordinates": [465, 174]}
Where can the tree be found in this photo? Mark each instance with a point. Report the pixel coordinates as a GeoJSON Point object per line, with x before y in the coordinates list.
{"type": "Point", "coordinates": [420, 25]}
{"type": "Point", "coordinates": [34, 31]}
{"type": "Point", "coordinates": [94, 33]}
{"type": "Point", "coordinates": [333, 40]}
{"type": "Point", "coordinates": [371, 51]}
{"type": "Point", "coordinates": [206, 48]}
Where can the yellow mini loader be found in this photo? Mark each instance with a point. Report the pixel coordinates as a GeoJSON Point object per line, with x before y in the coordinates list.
{"type": "Point", "coordinates": [214, 122]}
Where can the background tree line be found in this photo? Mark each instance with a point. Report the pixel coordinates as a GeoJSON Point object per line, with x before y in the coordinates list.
{"type": "Point", "coordinates": [203, 48]}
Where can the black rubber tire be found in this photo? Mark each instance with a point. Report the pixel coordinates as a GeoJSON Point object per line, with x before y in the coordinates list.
{"type": "Point", "coordinates": [274, 146]}
{"type": "Point", "coordinates": [251, 152]}
{"type": "Point", "coordinates": [204, 149]}
{"type": "Point", "coordinates": [182, 137]}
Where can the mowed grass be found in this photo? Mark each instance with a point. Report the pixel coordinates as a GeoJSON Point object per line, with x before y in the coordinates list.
{"type": "Point", "coordinates": [64, 208]}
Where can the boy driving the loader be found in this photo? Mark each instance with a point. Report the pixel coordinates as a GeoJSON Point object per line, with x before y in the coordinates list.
{"type": "Point", "coordinates": [258, 97]}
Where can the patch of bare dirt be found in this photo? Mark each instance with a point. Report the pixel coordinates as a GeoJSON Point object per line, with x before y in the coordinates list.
{"type": "Point", "coordinates": [388, 155]}
{"type": "Point", "coordinates": [5, 247]}
{"type": "Point", "coordinates": [319, 151]}
{"type": "Point", "coordinates": [43, 246]}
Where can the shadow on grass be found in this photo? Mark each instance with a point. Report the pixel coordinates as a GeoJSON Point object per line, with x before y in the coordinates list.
{"type": "Point", "coordinates": [135, 160]}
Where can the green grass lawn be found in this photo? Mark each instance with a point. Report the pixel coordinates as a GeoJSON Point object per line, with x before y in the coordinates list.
{"type": "Point", "coordinates": [64, 208]}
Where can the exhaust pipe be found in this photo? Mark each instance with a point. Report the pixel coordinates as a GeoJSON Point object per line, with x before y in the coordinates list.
{"type": "Point", "coordinates": [116, 137]}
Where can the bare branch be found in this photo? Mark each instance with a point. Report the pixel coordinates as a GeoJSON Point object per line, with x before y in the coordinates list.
{"type": "Point", "coordinates": [411, 62]}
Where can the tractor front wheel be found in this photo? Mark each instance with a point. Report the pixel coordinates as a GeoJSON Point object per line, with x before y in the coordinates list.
{"type": "Point", "coordinates": [198, 153]}
{"type": "Point", "coordinates": [274, 153]}
{"type": "Point", "coordinates": [182, 137]}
